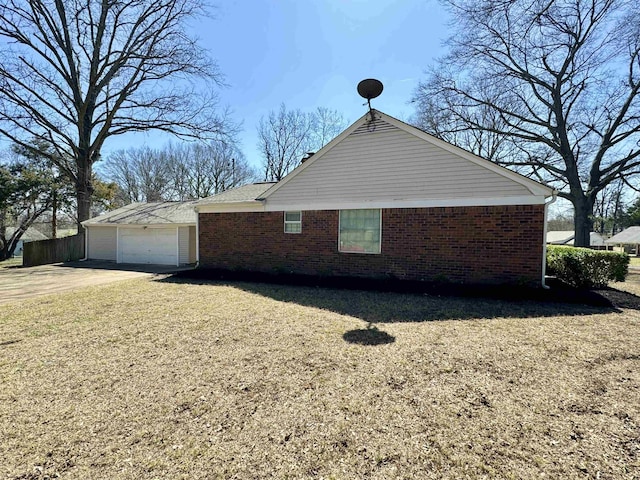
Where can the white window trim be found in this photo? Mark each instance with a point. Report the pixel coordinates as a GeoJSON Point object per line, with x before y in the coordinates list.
{"type": "Point", "coordinates": [360, 253]}
{"type": "Point", "coordinates": [289, 222]}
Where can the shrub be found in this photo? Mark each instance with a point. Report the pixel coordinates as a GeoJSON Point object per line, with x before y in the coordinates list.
{"type": "Point", "coordinates": [586, 268]}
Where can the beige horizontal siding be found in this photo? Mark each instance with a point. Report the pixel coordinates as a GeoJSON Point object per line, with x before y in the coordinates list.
{"type": "Point", "coordinates": [192, 244]}
{"type": "Point", "coordinates": [385, 164]}
{"type": "Point", "coordinates": [101, 243]}
{"type": "Point", "coordinates": [183, 245]}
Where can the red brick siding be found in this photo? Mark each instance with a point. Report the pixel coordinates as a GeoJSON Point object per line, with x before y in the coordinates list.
{"type": "Point", "coordinates": [498, 244]}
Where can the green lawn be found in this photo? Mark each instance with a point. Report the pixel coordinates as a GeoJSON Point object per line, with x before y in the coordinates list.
{"type": "Point", "coordinates": [170, 379]}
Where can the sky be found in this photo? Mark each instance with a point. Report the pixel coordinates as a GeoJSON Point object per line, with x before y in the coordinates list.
{"type": "Point", "coordinates": [312, 53]}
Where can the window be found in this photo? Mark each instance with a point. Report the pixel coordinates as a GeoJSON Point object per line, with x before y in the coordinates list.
{"type": "Point", "coordinates": [360, 231]}
{"type": "Point", "coordinates": [292, 222]}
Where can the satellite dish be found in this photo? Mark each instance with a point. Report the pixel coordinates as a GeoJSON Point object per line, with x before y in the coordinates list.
{"type": "Point", "coordinates": [370, 88]}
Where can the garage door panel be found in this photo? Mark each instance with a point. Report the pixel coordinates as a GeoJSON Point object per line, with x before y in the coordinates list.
{"type": "Point", "coordinates": [149, 246]}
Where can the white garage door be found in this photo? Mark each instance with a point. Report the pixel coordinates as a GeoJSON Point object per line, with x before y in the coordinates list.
{"type": "Point", "coordinates": [150, 245]}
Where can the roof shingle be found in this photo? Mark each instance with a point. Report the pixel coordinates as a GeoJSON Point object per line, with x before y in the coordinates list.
{"type": "Point", "coordinates": [156, 213]}
{"type": "Point", "coordinates": [629, 236]}
{"type": "Point", "coordinates": [245, 193]}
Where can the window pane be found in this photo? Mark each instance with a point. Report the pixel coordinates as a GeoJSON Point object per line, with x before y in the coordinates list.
{"type": "Point", "coordinates": [360, 231]}
{"type": "Point", "coordinates": [293, 222]}
{"type": "Point", "coordinates": [292, 216]}
{"type": "Point", "coordinates": [292, 227]}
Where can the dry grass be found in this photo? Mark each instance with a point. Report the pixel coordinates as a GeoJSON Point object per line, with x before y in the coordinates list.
{"type": "Point", "coordinates": [149, 379]}
{"type": "Point", "coordinates": [11, 262]}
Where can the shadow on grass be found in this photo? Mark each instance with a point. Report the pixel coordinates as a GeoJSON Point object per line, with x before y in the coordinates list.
{"type": "Point", "coordinates": [127, 267]}
{"type": "Point", "coordinates": [368, 336]}
{"type": "Point", "coordinates": [385, 302]}
{"type": "Point", "coordinates": [106, 265]}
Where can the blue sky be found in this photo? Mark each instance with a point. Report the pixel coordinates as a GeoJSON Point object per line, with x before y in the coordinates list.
{"type": "Point", "coordinates": [313, 53]}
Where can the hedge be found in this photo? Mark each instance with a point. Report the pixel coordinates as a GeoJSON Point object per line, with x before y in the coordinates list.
{"type": "Point", "coordinates": [586, 268]}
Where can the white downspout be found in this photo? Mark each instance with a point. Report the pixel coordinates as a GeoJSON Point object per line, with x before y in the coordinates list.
{"type": "Point", "coordinates": [197, 237]}
{"type": "Point", "coordinates": [86, 244]}
{"type": "Point", "coordinates": [554, 197]}
{"type": "Point", "coordinates": [177, 246]}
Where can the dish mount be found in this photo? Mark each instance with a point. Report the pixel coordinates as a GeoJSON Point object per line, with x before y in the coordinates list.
{"type": "Point", "coordinates": [368, 89]}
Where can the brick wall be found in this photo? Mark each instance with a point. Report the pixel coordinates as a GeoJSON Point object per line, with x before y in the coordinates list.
{"type": "Point", "coordinates": [498, 244]}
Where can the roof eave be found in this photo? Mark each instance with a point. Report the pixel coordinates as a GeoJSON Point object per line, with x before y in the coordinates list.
{"type": "Point", "coordinates": [536, 188]}
{"type": "Point", "coordinates": [117, 224]}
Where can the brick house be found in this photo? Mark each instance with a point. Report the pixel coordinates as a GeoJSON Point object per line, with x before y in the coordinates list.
{"type": "Point", "coordinates": [383, 200]}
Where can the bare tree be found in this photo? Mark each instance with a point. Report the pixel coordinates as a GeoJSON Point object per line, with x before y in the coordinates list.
{"type": "Point", "coordinates": [74, 73]}
{"type": "Point", "coordinates": [608, 210]}
{"type": "Point", "coordinates": [285, 136]}
{"type": "Point", "coordinates": [143, 174]}
{"type": "Point", "coordinates": [559, 80]}
{"type": "Point", "coordinates": [203, 169]}
{"type": "Point", "coordinates": [178, 172]}
{"type": "Point", "coordinates": [119, 168]}
{"type": "Point", "coordinates": [326, 125]}
{"type": "Point", "coordinates": [445, 124]}
{"type": "Point", "coordinates": [215, 167]}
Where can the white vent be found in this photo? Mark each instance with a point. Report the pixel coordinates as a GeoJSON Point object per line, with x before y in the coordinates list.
{"type": "Point", "coordinates": [374, 127]}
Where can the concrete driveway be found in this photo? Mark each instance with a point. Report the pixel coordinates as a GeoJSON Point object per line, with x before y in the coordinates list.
{"type": "Point", "coordinates": [18, 283]}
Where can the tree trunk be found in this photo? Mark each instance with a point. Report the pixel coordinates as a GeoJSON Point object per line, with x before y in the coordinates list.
{"type": "Point", "coordinates": [6, 242]}
{"type": "Point", "coordinates": [582, 220]}
{"type": "Point", "coordinates": [54, 214]}
{"type": "Point", "coordinates": [84, 191]}
{"type": "Point", "coordinates": [10, 244]}
{"type": "Point", "coordinates": [3, 236]}
{"type": "Point", "coordinates": [8, 249]}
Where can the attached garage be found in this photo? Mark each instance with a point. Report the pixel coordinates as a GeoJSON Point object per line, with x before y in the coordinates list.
{"type": "Point", "coordinates": [148, 245]}
{"type": "Point", "coordinates": [162, 233]}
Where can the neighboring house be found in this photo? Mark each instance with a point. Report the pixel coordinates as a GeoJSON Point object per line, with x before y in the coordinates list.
{"type": "Point", "coordinates": [31, 235]}
{"type": "Point", "coordinates": [628, 238]}
{"type": "Point", "coordinates": [565, 237]}
{"type": "Point", "coordinates": [383, 200]}
{"type": "Point", "coordinates": [66, 232]}
{"type": "Point", "coordinates": [162, 233]}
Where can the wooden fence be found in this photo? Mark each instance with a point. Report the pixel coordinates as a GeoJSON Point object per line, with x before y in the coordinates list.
{"type": "Point", "coordinates": [56, 250]}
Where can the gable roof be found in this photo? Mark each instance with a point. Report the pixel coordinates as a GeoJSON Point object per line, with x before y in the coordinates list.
{"type": "Point", "coordinates": [155, 213]}
{"type": "Point", "coordinates": [385, 163]}
{"type": "Point", "coordinates": [566, 237]}
{"type": "Point", "coordinates": [560, 237]}
{"type": "Point", "coordinates": [445, 155]}
{"type": "Point", "coordinates": [30, 235]}
{"type": "Point", "coordinates": [630, 236]}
